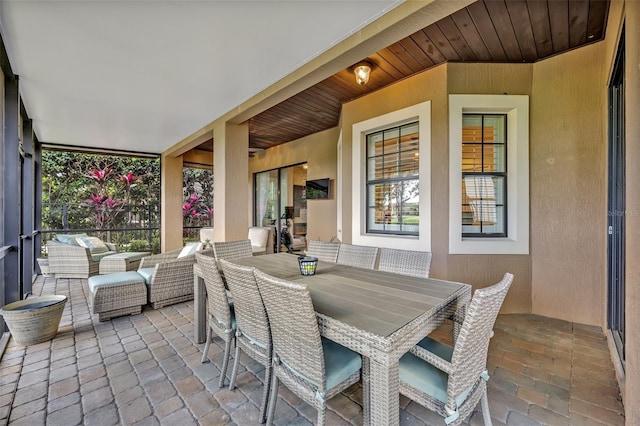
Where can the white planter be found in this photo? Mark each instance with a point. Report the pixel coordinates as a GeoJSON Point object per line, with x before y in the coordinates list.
{"type": "Point", "coordinates": [43, 263]}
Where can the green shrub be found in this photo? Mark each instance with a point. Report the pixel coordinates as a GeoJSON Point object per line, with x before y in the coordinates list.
{"type": "Point", "coordinates": [155, 245]}
{"type": "Point", "coordinates": [138, 245]}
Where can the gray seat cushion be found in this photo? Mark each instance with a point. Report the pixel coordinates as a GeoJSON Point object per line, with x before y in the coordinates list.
{"type": "Point", "coordinates": [147, 274]}
{"type": "Point", "coordinates": [96, 257]}
{"type": "Point", "coordinates": [118, 278]}
{"type": "Point", "coordinates": [69, 238]}
{"type": "Point", "coordinates": [423, 376]}
{"type": "Point", "coordinates": [339, 362]}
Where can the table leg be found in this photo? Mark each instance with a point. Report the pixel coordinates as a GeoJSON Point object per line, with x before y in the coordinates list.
{"type": "Point", "coordinates": [199, 309]}
{"type": "Point", "coordinates": [384, 404]}
{"type": "Point", "coordinates": [458, 317]}
{"type": "Point", "coordinates": [366, 388]}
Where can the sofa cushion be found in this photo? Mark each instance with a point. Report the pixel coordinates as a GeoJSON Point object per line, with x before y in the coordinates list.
{"type": "Point", "coordinates": [206, 234]}
{"type": "Point", "coordinates": [190, 248]}
{"type": "Point", "coordinates": [69, 238]}
{"type": "Point", "coordinates": [97, 257]}
{"type": "Point", "coordinates": [259, 237]}
{"type": "Point", "coordinates": [94, 244]}
{"type": "Point", "coordinates": [147, 274]}
{"type": "Point", "coordinates": [119, 278]}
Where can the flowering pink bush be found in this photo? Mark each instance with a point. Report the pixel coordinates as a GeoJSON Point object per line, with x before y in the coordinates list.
{"type": "Point", "coordinates": [100, 176]}
{"type": "Point", "coordinates": [105, 208]}
{"type": "Point", "coordinates": [195, 212]}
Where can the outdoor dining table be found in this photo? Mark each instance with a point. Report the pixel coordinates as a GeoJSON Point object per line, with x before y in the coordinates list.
{"type": "Point", "coordinates": [378, 314]}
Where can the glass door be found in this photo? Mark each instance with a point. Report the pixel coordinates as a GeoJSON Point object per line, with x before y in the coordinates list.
{"type": "Point", "coordinates": [279, 202]}
{"type": "Point", "coordinates": [266, 198]}
{"type": "Point", "coordinates": [616, 206]}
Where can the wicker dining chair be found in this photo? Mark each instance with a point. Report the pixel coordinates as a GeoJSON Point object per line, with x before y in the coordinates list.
{"type": "Point", "coordinates": [230, 250]}
{"type": "Point", "coordinates": [323, 250]}
{"type": "Point", "coordinates": [313, 368]}
{"type": "Point", "coordinates": [405, 262]}
{"type": "Point", "coordinates": [451, 381]}
{"type": "Point", "coordinates": [253, 335]}
{"type": "Point", "coordinates": [221, 314]}
{"type": "Point", "coordinates": [358, 256]}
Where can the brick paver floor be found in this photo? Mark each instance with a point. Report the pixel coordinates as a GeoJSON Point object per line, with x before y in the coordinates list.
{"type": "Point", "coordinates": [145, 370]}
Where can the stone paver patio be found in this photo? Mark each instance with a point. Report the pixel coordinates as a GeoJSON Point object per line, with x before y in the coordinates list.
{"type": "Point", "coordinates": [145, 370]}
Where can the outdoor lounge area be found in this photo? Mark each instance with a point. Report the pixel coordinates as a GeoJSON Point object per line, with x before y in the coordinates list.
{"type": "Point", "coordinates": [370, 212]}
{"type": "Point", "coordinates": [145, 369]}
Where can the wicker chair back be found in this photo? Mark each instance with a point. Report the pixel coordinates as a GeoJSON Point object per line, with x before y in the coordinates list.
{"type": "Point", "coordinates": [294, 328]}
{"type": "Point", "coordinates": [323, 250]}
{"type": "Point", "coordinates": [469, 358]}
{"type": "Point", "coordinates": [251, 316]}
{"type": "Point", "coordinates": [253, 334]}
{"type": "Point", "coordinates": [232, 249]}
{"type": "Point", "coordinates": [405, 262]}
{"type": "Point", "coordinates": [220, 313]}
{"type": "Point", "coordinates": [358, 256]}
{"type": "Point", "coordinates": [216, 293]}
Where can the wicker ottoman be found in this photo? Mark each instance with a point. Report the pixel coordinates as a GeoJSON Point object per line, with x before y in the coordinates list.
{"type": "Point", "coordinates": [121, 262]}
{"type": "Point", "coordinates": [114, 295]}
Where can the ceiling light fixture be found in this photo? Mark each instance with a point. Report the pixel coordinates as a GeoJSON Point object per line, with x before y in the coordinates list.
{"type": "Point", "coordinates": [362, 71]}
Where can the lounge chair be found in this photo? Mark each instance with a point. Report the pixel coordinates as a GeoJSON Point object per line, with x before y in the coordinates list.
{"type": "Point", "coordinates": [169, 276]}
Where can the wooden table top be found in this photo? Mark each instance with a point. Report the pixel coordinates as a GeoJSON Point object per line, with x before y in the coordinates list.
{"type": "Point", "coordinates": [374, 301]}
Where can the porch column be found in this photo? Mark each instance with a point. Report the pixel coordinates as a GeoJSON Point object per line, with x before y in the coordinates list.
{"type": "Point", "coordinates": [171, 196]}
{"type": "Point", "coordinates": [10, 170]}
{"type": "Point", "coordinates": [230, 183]}
{"type": "Point", "coordinates": [632, 219]}
{"type": "Point", "coordinates": [28, 201]}
{"type": "Point", "coordinates": [37, 198]}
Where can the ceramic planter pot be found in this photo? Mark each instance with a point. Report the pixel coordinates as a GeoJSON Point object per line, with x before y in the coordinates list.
{"type": "Point", "coordinates": [34, 320]}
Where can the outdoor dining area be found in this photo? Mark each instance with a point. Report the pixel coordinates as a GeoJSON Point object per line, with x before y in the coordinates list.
{"type": "Point", "coordinates": [344, 335]}
{"type": "Point", "coordinates": [417, 216]}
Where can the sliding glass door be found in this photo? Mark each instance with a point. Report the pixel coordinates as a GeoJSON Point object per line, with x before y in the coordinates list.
{"type": "Point", "coordinates": [267, 209]}
{"type": "Point", "coordinates": [279, 202]}
{"type": "Point", "coordinates": [616, 206]}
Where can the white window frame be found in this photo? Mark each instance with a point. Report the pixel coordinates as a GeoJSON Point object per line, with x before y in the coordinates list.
{"type": "Point", "coordinates": [516, 107]}
{"type": "Point", "coordinates": [422, 113]}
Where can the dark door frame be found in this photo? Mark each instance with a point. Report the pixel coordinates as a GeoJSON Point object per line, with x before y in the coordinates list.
{"type": "Point", "coordinates": [616, 205]}
{"type": "Point", "coordinates": [278, 212]}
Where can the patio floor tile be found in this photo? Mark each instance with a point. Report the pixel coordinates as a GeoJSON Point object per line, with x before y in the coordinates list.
{"type": "Point", "coordinates": [145, 370]}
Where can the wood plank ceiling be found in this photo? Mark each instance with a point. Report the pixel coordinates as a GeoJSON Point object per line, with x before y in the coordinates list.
{"type": "Point", "coordinates": [516, 31]}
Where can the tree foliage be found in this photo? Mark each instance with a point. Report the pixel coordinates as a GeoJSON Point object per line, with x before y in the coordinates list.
{"type": "Point", "coordinates": [197, 205]}
{"type": "Point", "coordinates": [66, 179]}
{"type": "Point", "coordinates": [97, 191]}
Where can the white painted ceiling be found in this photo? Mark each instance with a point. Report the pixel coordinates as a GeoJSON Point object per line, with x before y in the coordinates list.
{"type": "Point", "coordinates": [141, 75]}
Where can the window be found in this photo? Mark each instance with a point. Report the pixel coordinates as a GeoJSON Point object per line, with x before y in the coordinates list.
{"type": "Point", "coordinates": [484, 175]}
{"type": "Point", "coordinates": [393, 192]}
{"type": "Point", "coordinates": [489, 174]}
{"type": "Point", "coordinates": [391, 195]}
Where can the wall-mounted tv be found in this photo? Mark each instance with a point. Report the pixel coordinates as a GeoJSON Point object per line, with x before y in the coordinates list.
{"type": "Point", "coordinates": [318, 189]}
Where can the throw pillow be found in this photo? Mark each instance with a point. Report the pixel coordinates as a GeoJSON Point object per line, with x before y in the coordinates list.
{"type": "Point", "coordinates": [94, 244]}
{"type": "Point", "coordinates": [70, 239]}
{"type": "Point", "coordinates": [190, 249]}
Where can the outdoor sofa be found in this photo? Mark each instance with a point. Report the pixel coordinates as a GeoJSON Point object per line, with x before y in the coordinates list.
{"type": "Point", "coordinates": [77, 255]}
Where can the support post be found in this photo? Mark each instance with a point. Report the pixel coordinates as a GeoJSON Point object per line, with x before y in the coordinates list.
{"type": "Point", "coordinates": [11, 177]}
{"type": "Point", "coordinates": [231, 188]}
{"type": "Point", "coordinates": [171, 206]}
{"type": "Point", "coordinates": [28, 206]}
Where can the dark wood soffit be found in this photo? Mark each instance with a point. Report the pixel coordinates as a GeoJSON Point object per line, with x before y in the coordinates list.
{"type": "Point", "coordinates": [513, 31]}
